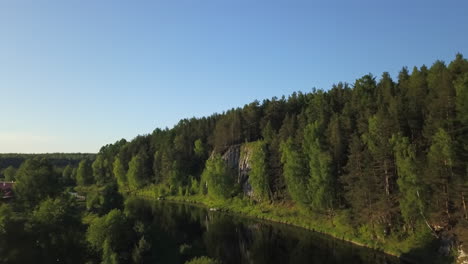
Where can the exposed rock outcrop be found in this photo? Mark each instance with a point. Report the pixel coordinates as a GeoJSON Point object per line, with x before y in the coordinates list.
{"type": "Point", "coordinates": [462, 256]}
{"type": "Point", "coordinates": [447, 243]}
{"type": "Point", "coordinates": [237, 157]}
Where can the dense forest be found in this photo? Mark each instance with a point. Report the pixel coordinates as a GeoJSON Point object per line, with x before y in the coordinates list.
{"type": "Point", "coordinates": [387, 157]}
{"type": "Point", "coordinates": [391, 152]}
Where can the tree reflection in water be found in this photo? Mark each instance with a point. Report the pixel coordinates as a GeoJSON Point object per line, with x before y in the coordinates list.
{"type": "Point", "coordinates": [167, 232]}
{"type": "Point", "coordinates": [179, 232]}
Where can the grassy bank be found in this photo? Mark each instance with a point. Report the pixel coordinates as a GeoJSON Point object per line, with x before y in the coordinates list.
{"type": "Point", "coordinates": [419, 248]}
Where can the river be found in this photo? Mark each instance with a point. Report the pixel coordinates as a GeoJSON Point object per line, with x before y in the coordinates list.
{"type": "Point", "coordinates": [175, 233]}
{"type": "Point", "coordinates": [184, 231]}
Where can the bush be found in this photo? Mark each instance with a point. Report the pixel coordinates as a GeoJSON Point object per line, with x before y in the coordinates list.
{"type": "Point", "coordinates": [218, 178]}
{"type": "Point", "coordinates": [203, 260]}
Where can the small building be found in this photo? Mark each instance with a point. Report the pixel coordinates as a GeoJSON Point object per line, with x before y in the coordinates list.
{"type": "Point", "coordinates": [6, 190]}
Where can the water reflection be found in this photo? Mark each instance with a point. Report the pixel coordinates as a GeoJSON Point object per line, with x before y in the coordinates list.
{"type": "Point", "coordinates": [178, 232]}
{"type": "Point", "coordinates": [165, 232]}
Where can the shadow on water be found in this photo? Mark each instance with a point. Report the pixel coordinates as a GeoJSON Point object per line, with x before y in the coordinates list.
{"type": "Point", "coordinates": [179, 232]}
{"type": "Point", "coordinates": [428, 253]}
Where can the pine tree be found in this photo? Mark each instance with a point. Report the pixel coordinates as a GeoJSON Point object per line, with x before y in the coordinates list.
{"type": "Point", "coordinates": [295, 173]}
{"type": "Point", "coordinates": [359, 184]}
{"type": "Point", "coordinates": [412, 188]}
{"type": "Point", "coordinates": [258, 175]}
{"type": "Point", "coordinates": [321, 184]}
{"type": "Point", "coordinates": [440, 159]}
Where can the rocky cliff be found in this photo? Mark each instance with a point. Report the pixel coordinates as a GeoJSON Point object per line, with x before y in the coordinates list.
{"type": "Point", "coordinates": [237, 157]}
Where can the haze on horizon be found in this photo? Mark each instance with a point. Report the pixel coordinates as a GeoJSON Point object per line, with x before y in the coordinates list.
{"type": "Point", "coordinates": [76, 75]}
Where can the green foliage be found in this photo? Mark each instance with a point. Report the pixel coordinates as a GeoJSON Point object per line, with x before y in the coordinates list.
{"type": "Point", "coordinates": [176, 178]}
{"type": "Point", "coordinates": [9, 173]}
{"type": "Point", "coordinates": [120, 174]}
{"type": "Point", "coordinates": [461, 88]}
{"type": "Point", "coordinates": [294, 172]}
{"type": "Point", "coordinates": [199, 148]}
{"type": "Point", "coordinates": [268, 133]}
{"type": "Point", "coordinates": [101, 199]}
{"type": "Point", "coordinates": [228, 130]}
{"type": "Point", "coordinates": [68, 177]}
{"type": "Point", "coordinates": [84, 175]}
{"type": "Point", "coordinates": [258, 175]}
{"type": "Point", "coordinates": [321, 183]}
{"type": "Point", "coordinates": [59, 160]}
{"type": "Point", "coordinates": [99, 170]}
{"type": "Point", "coordinates": [194, 186]}
{"type": "Point", "coordinates": [440, 161]}
{"type": "Point", "coordinates": [135, 174]}
{"type": "Point", "coordinates": [409, 182]}
{"type": "Point", "coordinates": [441, 150]}
{"type": "Point", "coordinates": [6, 215]}
{"type": "Point", "coordinates": [109, 256]}
{"type": "Point", "coordinates": [374, 154]}
{"type": "Point", "coordinates": [359, 185]}
{"type": "Point", "coordinates": [56, 224]}
{"type": "Point", "coordinates": [219, 180]}
{"type": "Point", "coordinates": [140, 249]}
{"type": "Point", "coordinates": [54, 213]}
{"type": "Point", "coordinates": [202, 260]}
{"type": "Point", "coordinates": [109, 234]}
{"type": "Point", "coordinates": [35, 181]}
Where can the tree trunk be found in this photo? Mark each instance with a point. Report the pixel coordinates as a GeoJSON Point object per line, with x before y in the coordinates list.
{"type": "Point", "coordinates": [387, 180]}
{"type": "Point", "coordinates": [447, 201]}
{"type": "Point", "coordinates": [425, 220]}
{"type": "Point", "coordinates": [447, 191]}
{"type": "Point", "coordinates": [464, 205]}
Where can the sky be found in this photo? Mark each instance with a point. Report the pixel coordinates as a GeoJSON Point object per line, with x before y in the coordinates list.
{"type": "Point", "coordinates": [78, 74]}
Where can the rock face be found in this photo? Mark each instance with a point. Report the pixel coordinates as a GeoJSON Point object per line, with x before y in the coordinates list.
{"type": "Point", "coordinates": [237, 157]}
{"type": "Point", "coordinates": [447, 242]}
{"type": "Point", "coordinates": [462, 256]}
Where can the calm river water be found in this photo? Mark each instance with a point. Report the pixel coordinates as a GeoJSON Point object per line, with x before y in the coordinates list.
{"type": "Point", "coordinates": [178, 232]}
{"type": "Point", "coordinates": [185, 231]}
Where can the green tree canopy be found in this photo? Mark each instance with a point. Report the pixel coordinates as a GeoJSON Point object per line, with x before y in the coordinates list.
{"type": "Point", "coordinates": [217, 177]}
{"type": "Point", "coordinates": [6, 216]}
{"type": "Point", "coordinates": [99, 167]}
{"type": "Point", "coordinates": [136, 173]}
{"type": "Point", "coordinates": [84, 175]}
{"type": "Point", "coordinates": [9, 173]}
{"type": "Point", "coordinates": [321, 182]}
{"type": "Point", "coordinates": [295, 173]}
{"type": "Point", "coordinates": [110, 235]}
{"type": "Point", "coordinates": [120, 174]}
{"type": "Point", "coordinates": [68, 176]}
{"type": "Point", "coordinates": [410, 184]}
{"type": "Point", "coordinates": [258, 175]}
{"type": "Point", "coordinates": [35, 181]}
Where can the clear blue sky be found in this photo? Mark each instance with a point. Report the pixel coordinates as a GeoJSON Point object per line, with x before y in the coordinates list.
{"type": "Point", "coordinates": [75, 75]}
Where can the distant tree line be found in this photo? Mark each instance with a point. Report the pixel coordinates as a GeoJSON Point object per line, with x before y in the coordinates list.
{"type": "Point", "coordinates": [10, 162]}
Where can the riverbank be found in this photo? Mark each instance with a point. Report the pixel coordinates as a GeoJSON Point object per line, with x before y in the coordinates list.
{"type": "Point", "coordinates": [413, 249]}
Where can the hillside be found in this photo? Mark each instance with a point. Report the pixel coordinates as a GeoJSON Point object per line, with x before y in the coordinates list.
{"type": "Point", "coordinates": [381, 162]}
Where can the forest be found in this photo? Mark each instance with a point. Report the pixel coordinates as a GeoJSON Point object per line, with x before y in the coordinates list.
{"type": "Point", "coordinates": [387, 158]}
